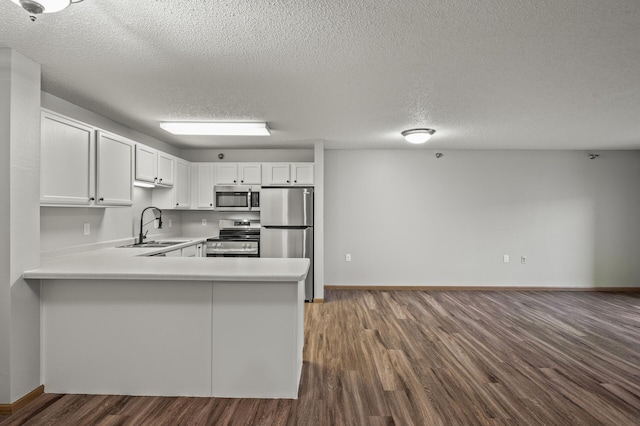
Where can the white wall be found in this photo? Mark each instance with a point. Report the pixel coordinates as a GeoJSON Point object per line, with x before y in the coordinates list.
{"type": "Point", "coordinates": [408, 218]}
{"type": "Point", "coordinates": [255, 155]}
{"type": "Point", "coordinates": [19, 230]}
{"type": "Point", "coordinates": [192, 221]}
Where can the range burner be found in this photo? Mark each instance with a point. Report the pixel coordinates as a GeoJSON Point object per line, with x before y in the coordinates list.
{"type": "Point", "coordinates": [238, 238]}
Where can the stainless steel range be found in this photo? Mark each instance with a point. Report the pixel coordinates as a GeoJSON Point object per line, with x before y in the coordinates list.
{"type": "Point", "coordinates": [238, 238]}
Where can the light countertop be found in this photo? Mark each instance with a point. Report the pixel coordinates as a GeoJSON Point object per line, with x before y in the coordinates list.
{"type": "Point", "coordinates": [139, 264]}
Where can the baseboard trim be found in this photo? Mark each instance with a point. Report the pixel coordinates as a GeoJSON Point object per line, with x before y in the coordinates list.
{"type": "Point", "coordinates": [477, 288]}
{"type": "Point", "coordinates": [8, 409]}
{"type": "Point", "coordinates": [318, 300]}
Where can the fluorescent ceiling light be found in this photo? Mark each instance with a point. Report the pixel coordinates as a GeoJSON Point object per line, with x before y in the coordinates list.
{"type": "Point", "coordinates": [418, 135]}
{"type": "Point", "coordinates": [216, 128]}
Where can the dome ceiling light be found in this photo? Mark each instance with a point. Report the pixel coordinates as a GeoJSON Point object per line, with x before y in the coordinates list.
{"type": "Point", "coordinates": [44, 6]}
{"type": "Point", "coordinates": [418, 135]}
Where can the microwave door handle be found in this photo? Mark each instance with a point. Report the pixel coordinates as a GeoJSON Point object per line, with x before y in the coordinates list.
{"type": "Point", "coordinates": [249, 198]}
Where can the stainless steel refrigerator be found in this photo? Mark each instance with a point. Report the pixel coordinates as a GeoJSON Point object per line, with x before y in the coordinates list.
{"type": "Point", "coordinates": [286, 218]}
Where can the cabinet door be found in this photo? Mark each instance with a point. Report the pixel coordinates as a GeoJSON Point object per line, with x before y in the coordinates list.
{"type": "Point", "coordinates": [189, 251]}
{"type": "Point", "coordinates": [67, 161]}
{"type": "Point", "coordinates": [226, 174]}
{"type": "Point", "coordinates": [182, 186]}
{"type": "Point", "coordinates": [146, 163]}
{"type": "Point", "coordinates": [250, 174]}
{"type": "Point", "coordinates": [302, 173]}
{"type": "Point", "coordinates": [204, 174]}
{"type": "Point", "coordinates": [114, 178]}
{"type": "Point", "coordinates": [166, 163]}
{"type": "Point", "coordinates": [276, 174]}
{"type": "Point", "coordinates": [174, 253]}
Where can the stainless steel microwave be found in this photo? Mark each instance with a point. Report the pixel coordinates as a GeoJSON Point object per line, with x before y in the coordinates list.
{"type": "Point", "coordinates": [236, 198]}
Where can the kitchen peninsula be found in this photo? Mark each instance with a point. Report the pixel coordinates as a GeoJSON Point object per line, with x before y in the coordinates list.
{"type": "Point", "coordinates": [122, 321]}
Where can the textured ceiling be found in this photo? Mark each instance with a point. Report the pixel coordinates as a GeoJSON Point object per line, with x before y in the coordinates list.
{"type": "Point", "coordinates": [486, 74]}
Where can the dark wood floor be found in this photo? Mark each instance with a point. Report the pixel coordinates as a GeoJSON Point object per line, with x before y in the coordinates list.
{"type": "Point", "coordinates": [425, 358]}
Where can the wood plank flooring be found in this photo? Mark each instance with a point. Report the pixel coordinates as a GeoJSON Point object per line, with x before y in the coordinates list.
{"type": "Point", "coordinates": [425, 358]}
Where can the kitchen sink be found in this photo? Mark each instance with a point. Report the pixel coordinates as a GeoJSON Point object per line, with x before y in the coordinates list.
{"type": "Point", "coordinates": [153, 244]}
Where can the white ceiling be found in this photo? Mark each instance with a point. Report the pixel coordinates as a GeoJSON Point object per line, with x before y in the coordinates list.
{"type": "Point", "coordinates": [486, 74]}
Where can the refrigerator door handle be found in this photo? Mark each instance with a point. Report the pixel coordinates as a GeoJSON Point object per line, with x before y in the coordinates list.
{"type": "Point", "coordinates": [305, 207]}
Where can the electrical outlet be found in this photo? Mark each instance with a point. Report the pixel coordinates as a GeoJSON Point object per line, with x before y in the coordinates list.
{"type": "Point", "coordinates": [87, 229]}
{"type": "Point", "coordinates": [347, 257]}
{"type": "Point", "coordinates": [523, 259]}
{"type": "Point", "coordinates": [505, 258]}
{"type": "Point", "coordinates": [204, 222]}
{"type": "Point", "coordinates": [169, 223]}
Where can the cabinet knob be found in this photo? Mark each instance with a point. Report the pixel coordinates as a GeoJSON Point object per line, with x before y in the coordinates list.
{"type": "Point", "coordinates": [160, 179]}
{"type": "Point", "coordinates": [155, 179]}
{"type": "Point", "coordinates": [234, 181]}
{"type": "Point", "coordinates": [211, 204]}
{"type": "Point", "coordinates": [288, 181]}
{"type": "Point", "coordinates": [101, 199]}
{"type": "Point", "coordinates": [177, 204]}
{"type": "Point", "coordinates": [92, 199]}
{"type": "Point", "coordinates": [295, 181]}
{"type": "Point", "coordinates": [242, 181]}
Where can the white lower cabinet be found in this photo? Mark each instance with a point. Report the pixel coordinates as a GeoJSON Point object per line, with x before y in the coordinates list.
{"type": "Point", "coordinates": [77, 170]}
{"type": "Point", "coordinates": [195, 250]}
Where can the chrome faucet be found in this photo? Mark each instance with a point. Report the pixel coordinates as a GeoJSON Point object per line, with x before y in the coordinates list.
{"type": "Point", "coordinates": [142, 236]}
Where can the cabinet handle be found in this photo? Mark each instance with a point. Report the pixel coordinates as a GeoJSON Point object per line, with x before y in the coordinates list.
{"type": "Point", "coordinates": [92, 199]}
{"type": "Point", "coordinates": [101, 199]}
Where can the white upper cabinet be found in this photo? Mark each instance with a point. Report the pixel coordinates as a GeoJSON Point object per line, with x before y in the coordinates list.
{"type": "Point", "coordinates": [238, 174]}
{"type": "Point", "coordinates": [166, 166]}
{"type": "Point", "coordinates": [204, 185]}
{"type": "Point", "coordinates": [78, 168]}
{"type": "Point", "coordinates": [154, 166]}
{"type": "Point", "coordinates": [146, 163]}
{"type": "Point", "coordinates": [67, 161]}
{"type": "Point", "coordinates": [302, 174]}
{"type": "Point", "coordinates": [177, 196]}
{"type": "Point", "coordinates": [276, 174]}
{"type": "Point", "coordinates": [226, 174]}
{"type": "Point", "coordinates": [284, 174]}
{"type": "Point", "coordinates": [250, 174]}
{"type": "Point", "coordinates": [182, 185]}
{"type": "Point", "coordinates": [114, 159]}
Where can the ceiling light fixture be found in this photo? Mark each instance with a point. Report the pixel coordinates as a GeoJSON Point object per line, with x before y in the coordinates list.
{"type": "Point", "coordinates": [216, 128]}
{"type": "Point", "coordinates": [44, 6]}
{"type": "Point", "coordinates": [418, 135]}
